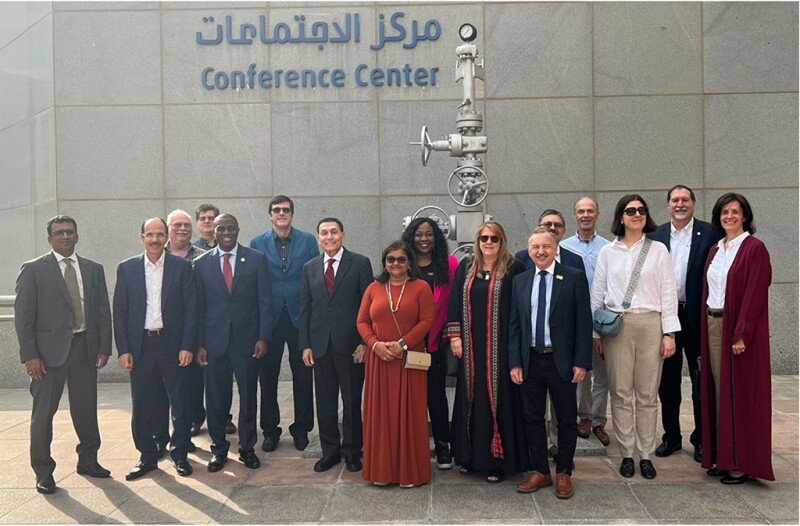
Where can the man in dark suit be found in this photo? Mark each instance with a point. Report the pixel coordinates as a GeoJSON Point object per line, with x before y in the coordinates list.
{"type": "Point", "coordinates": [330, 296]}
{"type": "Point", "coordinates": [63, 323]}
{"type": "Point", "coordinates": [553, 220]}
{"type": "Point", "coordinates": [688, 239]}
{"type": "Point", "coordinates": [235, 320]}
{"type": "Point", "coordinates": [549, 349]}
{"type": "Point", "coordinates": [155, 327]}
{"type": "Point", "coordinates": [287, 250]}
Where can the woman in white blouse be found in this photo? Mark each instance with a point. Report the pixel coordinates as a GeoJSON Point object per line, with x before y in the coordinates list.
{"type": "Point", "coordinates": [634, 357]}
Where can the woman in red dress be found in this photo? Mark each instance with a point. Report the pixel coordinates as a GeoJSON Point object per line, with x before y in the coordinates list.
{"type": "Point", "coordinates": [395, 315]}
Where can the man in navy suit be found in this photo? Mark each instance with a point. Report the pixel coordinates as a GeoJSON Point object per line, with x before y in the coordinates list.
{"type": "Point", "coordinates": [155, 326]}
{"type": "Point", "coordinates": [234, 323]}
{"type": "Point", "coordinates": [330, 296]}
{"type": "Point", "coordinates": [688, 239]}
{"type": "Point", "coordinates": [549, 349]}
{"type": "Point", "coordinates": [287, 250]}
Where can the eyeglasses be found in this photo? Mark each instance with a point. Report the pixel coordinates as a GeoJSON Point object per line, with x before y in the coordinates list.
{"type": "Point", "coordinates": [281, 210]}
{"type": "Point", "coordinates": [550, 224]}
{"type": "Point", "coordinates": [486, 239]}
{"type": "Point", "coordinates": [62, 233]}
{"type": "Point", "coordinates": [631, 211]}
{"type": "Point", "coordinates": [180, 225]}
{"type": "Point", "coordinates": [392, 260]}
{"type": "Point", "coordinates": [205, 219]}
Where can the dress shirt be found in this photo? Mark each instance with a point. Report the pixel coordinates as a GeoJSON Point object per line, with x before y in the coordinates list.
{"type": "Point", "coordinates": [283, 245]}
{"type": "Point", "coordinates": [718, 270]}
{"type": "Point", "coordinates": [232, 259]}
{"type": "Point", "coordinates": [63, 266]}
{"type": "Point", "coordinates": [680, 243]}
{"type": "Point", "coordinates": [153, 280]}
{"type": "Point", "coordinates": [655, 292]}
{"type": "Point", "coordinates": [588, 250]}
{"type": "Point", "coordinates": [535, 303]}
{"type": "Point", "coordinates": [336, 260]}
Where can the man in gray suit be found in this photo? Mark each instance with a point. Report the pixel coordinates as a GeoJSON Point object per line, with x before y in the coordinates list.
{"type": "Point", "coordinates": [331, 289]}
{"type": "Point", "coordinates": [63, 322]}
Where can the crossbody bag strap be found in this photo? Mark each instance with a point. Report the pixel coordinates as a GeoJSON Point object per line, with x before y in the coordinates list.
{"type": "Point", "coordinates": [637, 271]}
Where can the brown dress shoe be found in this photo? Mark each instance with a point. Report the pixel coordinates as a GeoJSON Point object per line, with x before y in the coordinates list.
{"type": "Point", "coordinates": [563, 486]}
{"type": "Point", "coordinates": [601, 435]}
{"type": "Point", "coordinates": [535, 481]}
{"type": "Point", "coordinates": [584, 428]}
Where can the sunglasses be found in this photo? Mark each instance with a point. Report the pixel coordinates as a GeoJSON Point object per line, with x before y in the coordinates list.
{"type": "Point", "coordinates": [642, 210]}
{"type": "Point", "coordinates": [486, 239]}
{"type": "Point", "coordinates": [392, 260]}
{"type": "Point", "coordinates": [550, 224]}
{"type": "Point", "coordinates": [281, 209]}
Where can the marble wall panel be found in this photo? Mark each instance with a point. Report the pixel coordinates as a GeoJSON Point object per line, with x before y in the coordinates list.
{"type": "Point", "coordinates": [43, 146]}
{"type": "Point", "coordinates": [218, 150]}
{"type": "Point", "coordinates": [42, 213]}
{"type": "Point", "coordinates": [20, 221]}
{"type": "Point", "coordinates": [16, 169]}
{"type": "Point", "coordinates": [18, 17]}
{"type": "Point", "coordinates": [643, 48]}
{"type": "Point", "coordinates": [107, 57]}
{"type": "Point", "coordinates": [783, 301]}
{"type": "Point", "coordinates": [104, 6]}
{"type": "Point", "coordinates": [751, 140]}
{"type": "Point", "coordinates": [109, 152]}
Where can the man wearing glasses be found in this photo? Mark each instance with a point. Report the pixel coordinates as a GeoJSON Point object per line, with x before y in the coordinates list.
{"type": "Point", "coordinates": [205, 215]}
{"type": "Point", "coordinates": [287, 250]}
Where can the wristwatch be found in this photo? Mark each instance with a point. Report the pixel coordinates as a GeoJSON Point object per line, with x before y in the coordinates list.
{"type": "Point", "coordinates": [670, 334]}
{"type": "Point", "coordinates": [403, 344]}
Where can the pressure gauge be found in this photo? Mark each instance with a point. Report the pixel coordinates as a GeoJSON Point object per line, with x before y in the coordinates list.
{"type": "Point", "coordinates": [467, 32]}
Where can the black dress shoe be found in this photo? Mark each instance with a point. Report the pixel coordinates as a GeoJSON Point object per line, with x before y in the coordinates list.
{"type": "Point", "coordinates": [626, 468]}
{"type": "Point", "coordinates": [730, 479]}
{"type": "Point", "coordinates": [94, 470]}
{"type": "Point", "coordinates": [270, 443]}
{"type": "Point", "coordinates": [216, 463]}
{"type": "Point", "coordinates": [698, 454]}
{"type": "Point", "coordinates": [140, 469]}
{"type": "Point", "coordinates": [230, 427]}
{"type": "Point", "coordinates": [647, 468]}
{"type": "Point", "coordinates": [183, 468]}
{"type": "Point", "coordinates": [192, 447]}
{"type": "Point", "coordinates": [326, 463]}
{"type": "Point", "coordinates": [666, 448]}
{"type": "Point", "coordinates": [716, 472]}
{"type": "Point", "coordinates": [249, 459]}
{"type": "Point", "coordinates": [162, 450]}
{"type": "Point", "coordinates": [301, 442]}
{"type": "Point", "coordinates": [195, 430]}
{"type": "Point", "coordinates": [45, 484]}
{"type": "Point", "coordinates": [353, 463]}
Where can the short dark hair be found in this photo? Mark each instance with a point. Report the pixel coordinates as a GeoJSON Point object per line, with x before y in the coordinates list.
{"type": "Point", "coordinates": [205, 207]}
{"type": "Point", "coordinates": [57, 220]}
{"type": "Point", "coordinates": [440, 255]}
{"type": "Point", "coordinates": [617, 228]}
{"type": "Point", "coordinates": [227, 216]}
{"type": "Point", "coordinates": [166, 228]}
{"type": "Point", "coordinates": [551, 212]}
{"type": "Point", "coordinates": [413, 269]}
{"type": "Point", "coordinates": [281, 199]}
{"type": "Point", "coordinates": [723, 201]}
{"type": "Point", "coordinates": [330, 220]}
{"type": "Point", "coordinates": [678, 187]}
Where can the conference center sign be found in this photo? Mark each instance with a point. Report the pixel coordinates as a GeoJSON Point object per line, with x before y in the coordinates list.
{"type": "Point", "coordinates": [393, 30]}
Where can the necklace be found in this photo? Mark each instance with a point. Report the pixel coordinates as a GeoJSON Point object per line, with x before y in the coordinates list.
{"type": "Point", "coordinates": [392, 306]}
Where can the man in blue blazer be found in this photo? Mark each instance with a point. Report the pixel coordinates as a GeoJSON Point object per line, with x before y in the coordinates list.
{"type": "Point", "coordinates": [287, 250]}
{"type": "Point", "coordinates": [234, 324]}
{"type": "Point", "coordinates": [553, 220]}
{"type": "Point", "coordinates": [155, 326]}
{"type": "Point", "coordinates": [688, 239]}
{"type": "Point", "coordinates": [549, 349]}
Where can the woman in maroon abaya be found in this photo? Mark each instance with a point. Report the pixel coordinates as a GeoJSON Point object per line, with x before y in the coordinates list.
{"type": "Point", "coordinates": [736, 393]}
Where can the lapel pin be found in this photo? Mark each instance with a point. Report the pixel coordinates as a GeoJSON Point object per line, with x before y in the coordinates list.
{"type": "Point", "coordinates": [242, 260]}
{"type": "Point", "coordinates": [698, 233]}
{"type": "Point", "coordinates": [559, 276]}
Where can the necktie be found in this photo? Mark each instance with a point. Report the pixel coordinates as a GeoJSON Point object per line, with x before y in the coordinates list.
{"type": "Point", "coordinates": [71, 277]}
{"type": "Point", "coordinates": [227, 272]}
{"type": "Point", "coordinates": [540, 312]}
{"type": "Point", "coordinates": [329, 276]}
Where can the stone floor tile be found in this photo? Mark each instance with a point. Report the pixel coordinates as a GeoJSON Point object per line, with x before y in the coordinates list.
{"type": "Point", "coordinates": [777, 502]}
{"type": "Point", "coordinates": [172, 504]}
{"type": "Point", "coordinates": [118, 469]}
{"type": "Point", "coordinates": [368, 503]}
{"type": "Point", "coordinates": [785, 406]}
{"type": "Point", "coordinates": [717, 521]}
{"type": "Point", "coordinates": [785, 468]}
{"type": "Point", "coordinates": [292, 472]}
{"type": "Point", "coordinates": [275, 505]}
{"type": "Point", "coordinates": [11, 498]}
{"type": "Point", "coordinates": [784, 442]}
{"type": "Point", "coordinates": [591, 503]}
{"type": "Point", "coordinates": [674, 469]}
{"type": "Point", "coordinates": [600, 521]}
{"type": "Point", "coordinates": [479, 503]}
{"type": "Point", "coordinates": [14, 448]}
{"type": "Point", "coordinates": [81, 506]}
{"type": "Point", "coordinates": [693, 502]}
{"type": "Point", "coordinates": [594, 470]}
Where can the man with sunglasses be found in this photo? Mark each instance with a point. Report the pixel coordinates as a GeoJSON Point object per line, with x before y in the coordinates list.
{"type": "Point", "coordinates": [287, 250]}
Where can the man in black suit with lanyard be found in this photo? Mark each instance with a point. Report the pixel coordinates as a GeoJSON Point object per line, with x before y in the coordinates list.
{"type": "Point", "coordinates": [330, 295]}
{"type": "Point", "coordinates": [688, 239]}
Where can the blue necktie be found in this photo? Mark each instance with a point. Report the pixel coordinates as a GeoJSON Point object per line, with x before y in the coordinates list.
{"type": "Point", "coordinates": [540, 312]}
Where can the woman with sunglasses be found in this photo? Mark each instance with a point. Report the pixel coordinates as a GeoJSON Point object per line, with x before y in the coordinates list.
{"type": "Point", "coordinates": [437, 268]}
{"type": "Point", "coordinates": [396, 313]}
{"type": "Point", "coordinates": [634, 357]}
{"type": "Point", "coordinates": [735, 381]}
{"type": "Point", "coordinates": [488, 434]}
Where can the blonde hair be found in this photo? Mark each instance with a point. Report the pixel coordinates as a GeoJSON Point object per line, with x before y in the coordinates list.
{"type": "Point", "coordinates": [504, 257]}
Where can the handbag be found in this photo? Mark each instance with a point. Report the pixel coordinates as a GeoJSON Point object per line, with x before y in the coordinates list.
{"type": "Point", "coordinates": [606, 322]}
{"type": "Point", "coordinates": [420, 361]}
{"type": "Point", "coordinates": [451, 362]}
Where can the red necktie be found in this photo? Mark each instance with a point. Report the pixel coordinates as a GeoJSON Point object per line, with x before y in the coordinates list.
{"type": "Point", "coordinates": [329, 276]}
{"type": "Point", "coordinates": [227, 272]}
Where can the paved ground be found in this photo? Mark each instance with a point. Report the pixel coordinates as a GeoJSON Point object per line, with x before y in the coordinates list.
{"type": "Point", "coordinates": [286, 490]}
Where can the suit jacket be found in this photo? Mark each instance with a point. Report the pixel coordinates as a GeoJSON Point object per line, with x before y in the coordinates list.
{"type": "Point", "coordinates": [43, 311]}
{"type": "Point", "coordinates": [286, 285]}
{"type": "Point", "coordinates": [246, 311]}
{"type": "Point", "coordinates": [332, 318]}
{"type": "Point", "coordinates": [178, 305]}
{"type": "Point", "coordinates": [703, 238]}
{"type": "Point", "coordinates": [568, 258]}
{"type": "Point", "coordinates": [570, 321]}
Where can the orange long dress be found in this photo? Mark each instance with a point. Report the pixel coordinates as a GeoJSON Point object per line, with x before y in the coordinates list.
{"type": "Point", "coordinates": [396, 446]}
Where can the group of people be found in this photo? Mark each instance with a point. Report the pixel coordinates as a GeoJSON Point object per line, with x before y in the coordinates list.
{"type": "Point", "coordinates": [188, 318]}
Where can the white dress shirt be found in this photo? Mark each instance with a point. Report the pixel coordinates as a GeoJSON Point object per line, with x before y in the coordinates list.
{"type": "Point", "coordinates": [63, 266]}
{"type": "Point", "coordinates": [718, 270]}
{"type": "Point", "coordinates": [232, 259]}
{"type": "Point", "coordinates": [680, 243]}
{"type": "Point", "coordinates": [336, 260]}
{"type": "Point", "coordinates": [153, 279]}
{"type": "Point", "coordinates": [535, 303]}
{"type": "Point", "coordinates": [655, 292]}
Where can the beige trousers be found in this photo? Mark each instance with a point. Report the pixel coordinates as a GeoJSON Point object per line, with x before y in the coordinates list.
{"type": "Point", "coordinates": [634, 367]}
{"type": "Point", "coordinates": [715, 355]}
